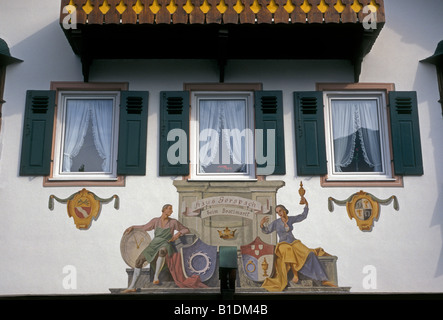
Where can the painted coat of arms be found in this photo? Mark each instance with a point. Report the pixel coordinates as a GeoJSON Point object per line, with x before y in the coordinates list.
{"type": "Point", "coordinates": [363, 207]}
{"type": "Point", "coordinates": [258, 259]}
{"type": "Point", "coordinates": [199, 259]}
{"type": "Point", "coordinates": [83, 206]}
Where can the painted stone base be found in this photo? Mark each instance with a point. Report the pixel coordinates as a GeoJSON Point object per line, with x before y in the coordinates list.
{"type": "Point", "coordinates": [243, 284]}
{"type": "Point", "coordinates": [171, 289]}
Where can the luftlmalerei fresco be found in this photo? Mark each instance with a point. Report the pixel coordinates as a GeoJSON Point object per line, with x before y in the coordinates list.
{"type": "Point", "coordinates": [268, 257]}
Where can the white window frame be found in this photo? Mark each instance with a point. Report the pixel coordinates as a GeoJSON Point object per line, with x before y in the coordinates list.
{"type": "Point", "coordinates": [380, 97]}
{"type": "Point", "coordinates": [196, 97]}
{"type": "Point", "coordinates": [58, 174]}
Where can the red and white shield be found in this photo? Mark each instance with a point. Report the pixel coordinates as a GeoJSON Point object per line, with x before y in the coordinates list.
{"type": "Point", "coordinates": [258, 259]}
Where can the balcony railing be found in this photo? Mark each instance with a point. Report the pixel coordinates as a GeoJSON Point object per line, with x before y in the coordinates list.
{"type": "Point", "coordinates": [222, 29]}
{"type": "Point", "coordinates": [98, 12]}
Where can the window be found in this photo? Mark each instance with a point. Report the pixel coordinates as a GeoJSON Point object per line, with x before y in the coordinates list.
{"type": "Point", "coordinates": [86, 136]}
{"type": "Point", "coordinates": [222, 135]}
{"type": "Point", "coordinates": [97, 135]}
{"type": "Point", "coordinates": [358, 134]}
{"type": "Point", "coordinates": [221, 132]}
{"type": "Point", "coordinates": [357, 137]}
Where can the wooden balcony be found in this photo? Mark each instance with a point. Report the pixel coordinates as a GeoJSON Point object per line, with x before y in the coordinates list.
{"type": "Point", "coordinates": [222, 29]}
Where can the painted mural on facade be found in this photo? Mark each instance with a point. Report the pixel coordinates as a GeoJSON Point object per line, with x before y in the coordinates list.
{"type": "Point", "coordinates": [195, 264]}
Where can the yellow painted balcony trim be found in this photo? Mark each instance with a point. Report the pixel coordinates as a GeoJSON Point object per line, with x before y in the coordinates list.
{"type": "Point", "coordinates": [289, 6]}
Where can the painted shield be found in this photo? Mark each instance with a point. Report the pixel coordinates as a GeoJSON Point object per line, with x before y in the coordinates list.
{"type": "Point", "coordinates": [199, 259]}
{"type": "Point", "coordinates": [82, 211]}
{"type": "Point", "coordinates": [83, 207]}
{"type": "Point", "coordinates": [258, 259]}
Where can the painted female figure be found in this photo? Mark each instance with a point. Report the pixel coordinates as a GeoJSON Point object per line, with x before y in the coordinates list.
{"type": "Point", "coordinates": [292, 254]}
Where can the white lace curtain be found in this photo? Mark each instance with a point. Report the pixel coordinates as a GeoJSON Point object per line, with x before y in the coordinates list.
{"type": "Point", "coordinates": [352, 118]}
{"type": "Point", "coordinates": [79, 113]}
{"type": "Point", "coordinates": [221, 118]}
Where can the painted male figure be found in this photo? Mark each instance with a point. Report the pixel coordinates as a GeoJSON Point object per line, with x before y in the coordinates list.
{"type": "Point", "coordinates": [161, 247]}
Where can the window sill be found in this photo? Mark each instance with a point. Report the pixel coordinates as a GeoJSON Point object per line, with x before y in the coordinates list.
{"type": "Point", "coordinates": [51, 182]}
{"type": "Point", "coordinates": [396, 181]}
{"type": "Point", "coordinates": [214, 179]}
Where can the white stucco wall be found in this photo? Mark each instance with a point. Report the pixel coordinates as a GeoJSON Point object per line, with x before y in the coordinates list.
{"type": "Point", "coordinates": [405, 246]}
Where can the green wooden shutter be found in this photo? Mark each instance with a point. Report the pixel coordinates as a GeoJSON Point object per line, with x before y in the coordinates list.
{"type": "Point", "coordinates": [269, 121]}
{"type": "Point", "coordinates": [405, 133]}
{"type": "Point", "coordinates": [132, 138]}
{"type": "Point", "coordinates": [310, 133]}
{"type": "Point", "coordinates": [174, 133]}
{"type": "Point", "coordinates": [37, 133]}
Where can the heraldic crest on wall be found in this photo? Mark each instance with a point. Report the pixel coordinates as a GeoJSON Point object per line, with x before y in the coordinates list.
{"type": "Point", "coordinates": [83, 206]}
{"type": "Point", "coordinates": [258, 259]}
{"type": "Point", "coordinates": [363, 207]}
{"type": "Point", "coordinates": [199, 259]}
